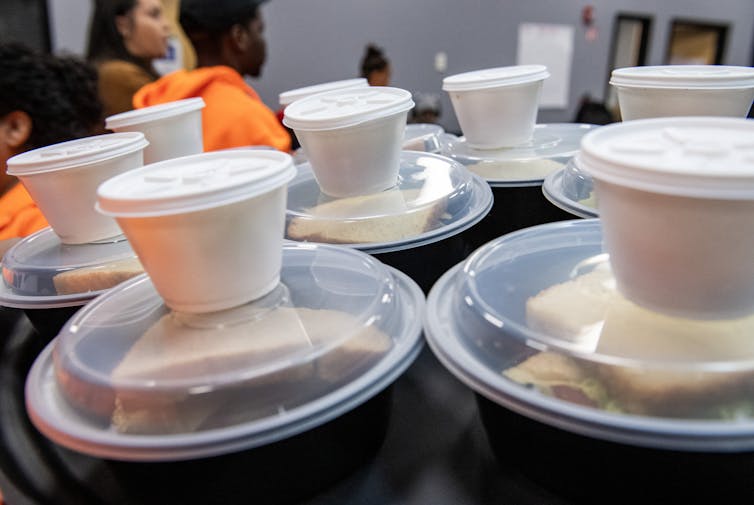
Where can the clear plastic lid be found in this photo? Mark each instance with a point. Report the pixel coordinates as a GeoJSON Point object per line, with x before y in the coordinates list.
{"type": "Point", "coordinates": [704, 157]}
{"type": "Point", "coordinates": [533, 321]}
{"type": "Point", "coordinates": [684, 76]}
{"type": "Point", "coordinates": [154, 113]}
{"type": "Point", "coordinates": [495, 77]}
{"type": "Point", "coordinates": [435, 198]}
{"type": "Point", "coordinates": [423, 137]}
{"type": "Point", "coordinates": [128, 379]}
{"type": "Point", "coordinates": [288, 97]}
{"type": "Point", "coordinates": [194, 182]}
{"type": "Point", "coordinates": [348, 107]}
{"type": "Point", "coordinates": [549, 149]}
{"type": "Point", "coordinates": [42, 272]}
{"type": "Point", "coordinates": [75, 153]}
{"type": "Point", "coordinates": [572, 190]}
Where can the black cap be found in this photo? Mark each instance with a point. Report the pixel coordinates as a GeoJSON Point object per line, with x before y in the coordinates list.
{"type": "Point", "coordinates": [215, 16]}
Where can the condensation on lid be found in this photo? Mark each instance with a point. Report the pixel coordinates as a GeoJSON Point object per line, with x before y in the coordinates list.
{"type": "Point", "coordinates": [288, 97]}
{"type": "Point", "coordinates": [495, 77]}
{"type": "Point", "coordinates": [348, 107]}
{"type": "Point", "coordinates": [693, 156]}
{"type": "Point", "coordinates": [154, 113]}
{"type": "Point", "coordinates": [684, 76]}
{"type": "Point", "coordinates": [76, 153]}
{"type": "Point", "coordinates": [194, 182]}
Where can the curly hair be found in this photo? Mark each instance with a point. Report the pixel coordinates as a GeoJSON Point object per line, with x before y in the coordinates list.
{"type": "Point", "coordinates": [58, 93]}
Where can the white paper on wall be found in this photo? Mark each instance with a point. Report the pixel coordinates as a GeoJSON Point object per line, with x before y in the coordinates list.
{"type": "Point", "coordinates": [550, 45]}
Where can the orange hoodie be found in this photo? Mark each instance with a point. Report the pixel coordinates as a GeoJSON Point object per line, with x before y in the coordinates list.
{"type": "Point", "coordinates": [234, 116]}
{"type": "Point", "coordinates": [19, 215]}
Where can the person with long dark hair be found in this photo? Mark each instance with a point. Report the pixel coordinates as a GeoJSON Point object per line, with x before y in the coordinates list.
{"type": "Point", "coordinates": [125, 36]}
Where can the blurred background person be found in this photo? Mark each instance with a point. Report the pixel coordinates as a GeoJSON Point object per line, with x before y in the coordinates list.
{"type": "Point", "coordinates": [427, 108]}
{"type": "Point", "coordinates": [228, 38]}
{"type": "Point", "coordinates": [43, 100]}
{"type": "Point", "coordinates": [125, 36]}
{"type": "Point", "coordinates": [375, 67]}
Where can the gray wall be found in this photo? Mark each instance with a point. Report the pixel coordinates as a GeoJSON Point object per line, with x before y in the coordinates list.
{"type": "Point", "coordinates": [314, 41]}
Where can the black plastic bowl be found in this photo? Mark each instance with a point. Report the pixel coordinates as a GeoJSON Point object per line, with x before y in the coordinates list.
{"type": "Point", "coordinates": [425, 264]}
{"type": "Point", "coordinates": [283, 472]}
{"type": "Point", "coordinates": [49, 322]}
{"type": "Point", "coordinates": [591, 471]}
{"type": "Point", "coordinates": [515, 208]}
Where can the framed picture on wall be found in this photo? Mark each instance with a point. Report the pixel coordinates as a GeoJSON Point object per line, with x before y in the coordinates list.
{"type": "Point", "coordinates": [696, 43]}
{"type": "Point", "coordinates": [629, 47]}
{"type": "Point", "coordinates": [25, 21]}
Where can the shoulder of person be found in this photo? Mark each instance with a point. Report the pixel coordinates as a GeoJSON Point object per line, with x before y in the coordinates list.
{"type": "Point", "coordinates": [121, 68]}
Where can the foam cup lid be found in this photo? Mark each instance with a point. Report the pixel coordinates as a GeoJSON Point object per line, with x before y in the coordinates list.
{"type": "Point", "coordinates": [435, 197]}
{"type": "Point", "coordinates": [533, 321]}
{"type": "Point", "coordinates": [684, 76]}
{"type": "Point", "coordinates": [42, 272]}
{"type": "Point", "coordinates": [495, 77]}
{"type": "Point", "coordinates": [126, 378]}
{"type": "Point", "coordinates": [288, 97]}
{"type": "Point", "coordinates": [346, 107]}
{"type": "Point", "coordinates": [154, 113]}
{"type": "Point", "coordinates": [194, 182]}
{"type": "Point", "coordinates": [76, 153]}
{"type": "Point", "coordinates": [704, 157]}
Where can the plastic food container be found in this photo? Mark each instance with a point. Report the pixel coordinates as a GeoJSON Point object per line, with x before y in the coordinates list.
{"type": "Point", "coordinates": [497, 107]}
{"type": "Point", "coordinates": [516, 176]}
{"type": "Point", "coordinates": [419, 226]}
{"type": "Point", "coordinates": [676, 197]}
{"type": "Point", "coordinates": [297, 383]}
{"type": "Point", "coordinates": [173, 129]}
{"type": "Point", "coordinates": [563, 364]}
{"type": "Point", "coordinates": [208, 228]}
{"type": "Point", "coordinates": [352, 137]}
{"type": "Point", "coordinates": [683, 90]}
{"type": "Point", "coordinates": [51, 280]}
{"type": "Point", "coordinates": [62, 180]}
{"type": "Point", "coordinates": [288, 97]}
{"type": "Point", "coordinates": [572, 190]}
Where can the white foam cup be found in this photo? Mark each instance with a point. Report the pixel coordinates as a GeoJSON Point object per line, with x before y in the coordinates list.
{"type": "Point", "coordinates": [683, 90]}
{"type": "Point", "coordinates": [497, 107]}
{"type": "Point", "coordinates": [62, 179]}
{"type": "Point", "coordinates": [352, 138]}
{"type": "Point", "coordinates": [173, 129]}
{"type": "Point", "coordinates": [676, 203]}
{"type": "Point", "coordinates": [208, 228]}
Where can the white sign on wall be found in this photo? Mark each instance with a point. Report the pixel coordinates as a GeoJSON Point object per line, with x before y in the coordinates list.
{"type": "Point", "coordinates": [550, 45]}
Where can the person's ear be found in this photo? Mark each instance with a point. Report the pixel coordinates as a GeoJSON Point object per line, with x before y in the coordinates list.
{"type": "Point", "coordinates": [239, 37]}
{"type": "Point", "coordinates": [15, 129]}
{"type": "Point", "coordinates": [123, 25]}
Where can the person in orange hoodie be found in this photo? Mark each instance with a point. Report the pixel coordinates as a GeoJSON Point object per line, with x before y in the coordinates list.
{"type": "Point", "coordinates": [228, 38]}
{"type": "Point", "coordinates": [43, 100]}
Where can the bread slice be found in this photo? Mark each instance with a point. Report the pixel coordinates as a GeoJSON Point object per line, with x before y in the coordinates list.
{"type": "Point", "coordinates": [381, 217]}
{"type": "Point", "coordinates": [589, 311]}
{"type": "Point", "coordinates": [517, 169]}
{"type": "Point", "coordinates": [83, 280]}
{"type": "Point", "coordinates": [272, 345]}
